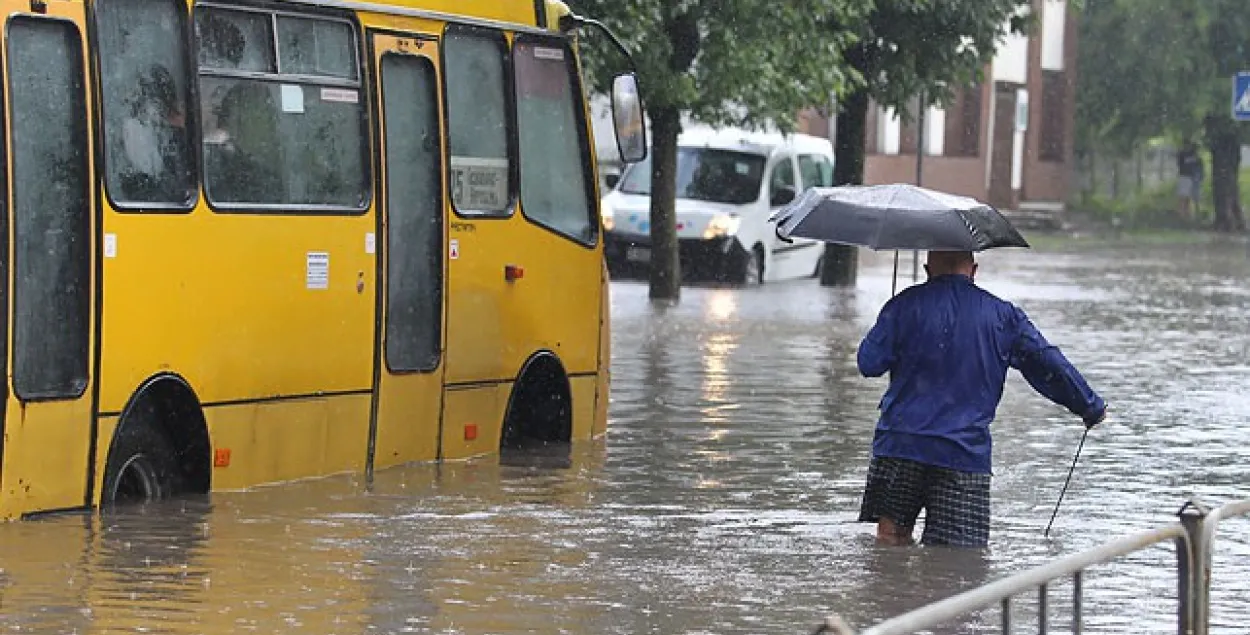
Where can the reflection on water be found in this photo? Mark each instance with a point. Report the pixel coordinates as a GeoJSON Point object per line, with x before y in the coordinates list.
{"type": "Point", "coordinates": [724, 497]}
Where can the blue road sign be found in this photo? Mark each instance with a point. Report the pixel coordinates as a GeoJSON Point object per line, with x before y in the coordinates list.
{"type": "Point", "coordinates": [1241, 96]}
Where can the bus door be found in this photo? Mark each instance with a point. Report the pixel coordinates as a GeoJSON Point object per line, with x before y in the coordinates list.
{"type": "Point", "coordinates": [48, 262]}
{"type": "Point", "coordinates": [408, 390]}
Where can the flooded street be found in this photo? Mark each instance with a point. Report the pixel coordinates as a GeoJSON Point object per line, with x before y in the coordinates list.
{"type": "Point", "coordinates": [724, 498]}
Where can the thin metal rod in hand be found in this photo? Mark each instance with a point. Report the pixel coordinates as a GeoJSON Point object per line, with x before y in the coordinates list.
{"type": "Point", "coordinates": [1065, 483]}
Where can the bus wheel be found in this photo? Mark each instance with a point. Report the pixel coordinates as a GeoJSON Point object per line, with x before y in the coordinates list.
{"type": "Point", "coordinates": [140, 466]}
{"type": "Point", "coordinates": [540, 411]}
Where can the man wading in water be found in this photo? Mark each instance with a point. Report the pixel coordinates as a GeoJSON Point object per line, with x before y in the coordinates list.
{"type": "Point", "coordinates": [947, 345]}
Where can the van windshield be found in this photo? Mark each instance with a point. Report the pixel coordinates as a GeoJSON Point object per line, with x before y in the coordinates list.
{"type": "Point", "coordinates": [704, 174]}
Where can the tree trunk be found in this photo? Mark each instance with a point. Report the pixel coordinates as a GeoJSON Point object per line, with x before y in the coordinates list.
{"type": "Point", "coordinates": [1225, 146]}
{"type": "Point", "coordinates": [665, 267]}
{"type": "Point", "coordinates": [841, 264]}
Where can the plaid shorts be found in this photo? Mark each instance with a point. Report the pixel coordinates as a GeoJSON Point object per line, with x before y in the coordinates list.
{"type": "Point", "coordinates": [956, 504]}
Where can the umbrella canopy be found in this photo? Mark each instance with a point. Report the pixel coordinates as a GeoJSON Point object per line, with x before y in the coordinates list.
{"type": "Point", "coordinates": [896, 216]}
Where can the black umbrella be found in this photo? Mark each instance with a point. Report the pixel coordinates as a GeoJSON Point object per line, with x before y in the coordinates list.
{"type": "Point", "coordinates": [895, 216]}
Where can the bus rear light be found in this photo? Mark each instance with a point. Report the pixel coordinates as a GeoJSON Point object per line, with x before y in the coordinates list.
{"type": "Point", "coordinates": [470, 431]}
{"type": "Point", "coordinates": [513, 272]}
{"type": "Point", "coordinates": [221, 457]}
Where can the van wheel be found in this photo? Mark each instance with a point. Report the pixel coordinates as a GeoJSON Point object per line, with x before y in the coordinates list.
{"type": "Point", "coordinates": [748, 268]}
{"type": "Point", "coordinates": [140, 466]}
{"type": "Point", "coordinates": [754, 274]}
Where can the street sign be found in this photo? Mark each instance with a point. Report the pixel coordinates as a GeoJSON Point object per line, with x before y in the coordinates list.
{"type": "Point", "coordinates": [1241, 96]}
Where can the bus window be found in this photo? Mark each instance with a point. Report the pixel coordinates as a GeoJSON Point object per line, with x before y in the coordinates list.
{"type": "Point", "coordinates": [554, 151]}
{"type": "Point", "coordinates": [477, 121]}
{"type": "Point", "coordinates": [414, 208]}
{"type": "Point", "coordinates": [143, 73]}
{"type": "Point", "coordinates": [293, 137]}
{"type": "Point", "coordinates": [51, 210]}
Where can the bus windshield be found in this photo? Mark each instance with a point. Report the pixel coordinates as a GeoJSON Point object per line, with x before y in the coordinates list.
{"type": "Point", "coordinates": [704, 174]}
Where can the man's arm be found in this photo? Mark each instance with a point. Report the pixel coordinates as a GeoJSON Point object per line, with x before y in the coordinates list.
{"type": "Point", "coordinates": [876, 352]}
{"type": "Point", "coordinates": [1051, 374]}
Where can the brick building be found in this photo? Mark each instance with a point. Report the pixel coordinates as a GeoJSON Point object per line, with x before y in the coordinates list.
{"type": "Point", "coordinates": [1007, 140]}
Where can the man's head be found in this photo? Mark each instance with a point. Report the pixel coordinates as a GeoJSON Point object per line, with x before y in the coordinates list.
{"type": "Point", "coordinates": [941, 263]}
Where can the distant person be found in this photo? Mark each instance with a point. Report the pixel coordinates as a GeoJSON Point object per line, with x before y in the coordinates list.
{"type": "Point", "coordinates": [947, 345]}
{"type": "Point", "coordinates": [1189, 173]}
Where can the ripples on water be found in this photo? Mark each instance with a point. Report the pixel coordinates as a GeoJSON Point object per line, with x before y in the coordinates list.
{"type": "Point", "coordinates": [724, 497]}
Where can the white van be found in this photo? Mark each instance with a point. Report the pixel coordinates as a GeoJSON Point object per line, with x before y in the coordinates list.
{"type": "Point", "coordinates": [728, 183]}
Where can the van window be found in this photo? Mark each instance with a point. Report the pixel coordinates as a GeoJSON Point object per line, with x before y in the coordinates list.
{"type": "Point", "coordinates": [705, 174]}
{"type": "Point", "coordinates": [783, 176]}
{"type": "Point", "coordinates": [816, 170]}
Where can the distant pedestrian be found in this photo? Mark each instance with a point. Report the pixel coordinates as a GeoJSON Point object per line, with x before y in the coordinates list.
{"type": "Point", "coordinates": [947, 345]}
{"type": "Point", "coordinates": [1189, 173]}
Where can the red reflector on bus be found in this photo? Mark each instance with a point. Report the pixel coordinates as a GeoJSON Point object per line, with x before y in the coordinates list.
{"type": "Point", "coordinates": [470, 431]}
{"type": "Point", "coordinates": [221, 458]}
{"type": "Point", "coordinates": [513, 272]}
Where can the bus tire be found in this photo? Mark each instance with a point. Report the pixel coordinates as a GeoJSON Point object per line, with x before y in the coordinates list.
{"type": "Point", "coordinates": [140, 466]}
{"type": "Point", "coordinates": [161, 447]}
{"type": "Point", "coordinates": [540, 409]}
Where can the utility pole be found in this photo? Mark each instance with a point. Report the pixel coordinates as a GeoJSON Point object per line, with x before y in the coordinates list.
{"type": "Point", "coordinates": [921, 140]}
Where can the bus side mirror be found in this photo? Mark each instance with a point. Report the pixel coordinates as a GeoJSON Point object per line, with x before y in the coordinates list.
{"type": "Point", "coordinates": [628, 119]}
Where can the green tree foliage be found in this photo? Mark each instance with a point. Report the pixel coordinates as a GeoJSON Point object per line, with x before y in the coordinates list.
{"type": "Point", "coordinates": [1154, 67]}
{"type": "Point", "coordinates": [722, 62]}
{"type": "Point", "coordinates": [903, 49]}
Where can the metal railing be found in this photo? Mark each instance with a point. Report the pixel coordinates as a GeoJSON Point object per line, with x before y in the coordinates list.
{"type": "Point", "coordinates": [1192, 536]}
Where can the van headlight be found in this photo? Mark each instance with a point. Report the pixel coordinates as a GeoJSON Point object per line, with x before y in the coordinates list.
{"type": "Point", "coordinates": [609, 219]}
{"type": "Point", "coordinates": [721, 225]}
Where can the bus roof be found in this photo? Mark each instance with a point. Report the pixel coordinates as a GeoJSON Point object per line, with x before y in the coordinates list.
{"type": "Point", "coordinates": [526, 14]}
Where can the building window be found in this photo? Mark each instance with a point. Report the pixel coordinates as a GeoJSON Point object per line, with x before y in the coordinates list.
{"type": "Point", "coordinates": [283, 121]}
{"type": "Point", "coordinates": [1054, 115]}
{"type": "Point", "coordinates": [963, 124]}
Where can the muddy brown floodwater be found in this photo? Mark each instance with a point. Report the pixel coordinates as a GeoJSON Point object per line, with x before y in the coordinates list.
{"type": "Point", "coordinates": [723, 499]}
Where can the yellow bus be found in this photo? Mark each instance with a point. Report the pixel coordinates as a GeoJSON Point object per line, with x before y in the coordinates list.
{"type": "Point", "coordinates": [251, 241]}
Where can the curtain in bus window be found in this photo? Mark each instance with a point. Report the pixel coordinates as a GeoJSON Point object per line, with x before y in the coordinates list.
{"type": "Point", "coordinates": [146, 97]}
{"type": "Point", "coordinates": [553, 155]}
{"type": "Point", "coordinates": [477, 119]}
{"type": "Point", "coordinates": [414, 214]}
{"type": "Point", "coordinates": [51, 209]}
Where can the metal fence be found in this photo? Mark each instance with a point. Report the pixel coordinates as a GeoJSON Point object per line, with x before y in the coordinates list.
{"type": "Point", "coordinates": [1192, 535]}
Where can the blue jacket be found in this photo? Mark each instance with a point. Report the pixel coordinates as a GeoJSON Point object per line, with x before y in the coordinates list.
{"type": "Point", "coordinates": [947, 345]}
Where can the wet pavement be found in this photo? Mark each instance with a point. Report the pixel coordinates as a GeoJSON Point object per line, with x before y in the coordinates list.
{"type": "Point", "coordinates": [724, 498]}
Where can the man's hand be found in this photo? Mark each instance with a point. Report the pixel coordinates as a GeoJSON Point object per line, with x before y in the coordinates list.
{"type": "Point", "coordinates": [1096, 419]}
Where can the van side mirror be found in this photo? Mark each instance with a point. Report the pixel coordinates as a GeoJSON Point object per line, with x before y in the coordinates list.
{"type": "Point", "coordinates": [782, 195]}
{"type": "Point", "coordinates": [627, 118]}
{"type": "Point", "coordinates": [611, 179]}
